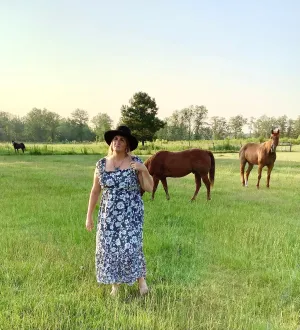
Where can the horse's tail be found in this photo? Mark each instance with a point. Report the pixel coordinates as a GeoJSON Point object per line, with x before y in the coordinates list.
{"type": "Point", "coordinates": [212, 169]}
{"type": "Point", "coordinates": [242, 151]}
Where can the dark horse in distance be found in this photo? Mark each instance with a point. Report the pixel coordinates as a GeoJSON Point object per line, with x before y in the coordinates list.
{"type": "Point", "coordinates": [261, 154]}
{"type": "Point", "coordinates": [18, 146]}
{"type": "Point", "coordinates": [165, 164]}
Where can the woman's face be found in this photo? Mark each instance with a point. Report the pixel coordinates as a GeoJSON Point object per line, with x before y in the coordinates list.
{"type": "Point", "coordinates": [119, 143]}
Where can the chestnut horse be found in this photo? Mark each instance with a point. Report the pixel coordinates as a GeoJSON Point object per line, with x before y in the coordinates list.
{"type": "Point", "coordinates": [178, 164]}
{"type": "Point", "coordinates": [261, 154]}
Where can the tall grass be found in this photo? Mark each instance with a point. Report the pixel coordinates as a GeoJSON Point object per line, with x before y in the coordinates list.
{"type": "Point", "coordinates": [218, 146]}
{"type": "Point", "coordinates": [231, 263]}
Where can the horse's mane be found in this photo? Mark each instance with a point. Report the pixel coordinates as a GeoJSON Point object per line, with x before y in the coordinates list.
{"type": "Point", "coordinates": [268, 145]}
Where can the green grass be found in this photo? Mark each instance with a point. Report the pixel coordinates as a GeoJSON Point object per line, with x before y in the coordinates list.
{"type": "Point", "coordinates": [231, 263]}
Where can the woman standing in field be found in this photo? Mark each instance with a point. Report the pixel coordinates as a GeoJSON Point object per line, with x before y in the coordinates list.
{"type": "Point", "coordinates": [119, 238]}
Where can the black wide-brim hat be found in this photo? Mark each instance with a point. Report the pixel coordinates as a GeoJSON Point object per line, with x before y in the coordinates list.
{"type": "Point", "coordinates": [123, 131]}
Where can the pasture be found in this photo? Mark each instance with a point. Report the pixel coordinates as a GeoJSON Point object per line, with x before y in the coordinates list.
{"type": "Point", "coordinates": [230, 263]}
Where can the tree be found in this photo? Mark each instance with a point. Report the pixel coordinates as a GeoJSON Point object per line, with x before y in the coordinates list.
{"type": "Point", "coordinates": [218, 128]}
{"type": "Point", "coordinates": [236, 124]}
{"type": "Point", "coordinates": [187, 116]}
{"type": "Point", "coordinates": [41, 125]}
{"type": "Point", "coordinates": [290, 128]}
{"type": "Point", "coordinates": [18, 128]}
{"type": "Point", "coordinates": [282, 124]}
{"type": "Point", "coordinates": [80, 120]}
{"type": "Point", "coordinates": [102, 123]}
{"type": "Point", "coordinates": [51, 125]}
{"type": "Point", "coordinates": [296, 132]}
{"type": "Point", "coordinates": [35, 122]}
{"type": "Point", "coordinates": [140, 117]}
{"type": "Point", "coordinates": [5, 126]}
{"type": "Point", "coordinates": [200, 126]}
{"type": "Point", "coordinates": [251, 123]}
{"type": "Point", "coordinates": [263, 126]}
{"type": "Point", "coordinates": [66, 130]}
{"type": "Point", "coordinates": [186, 124]}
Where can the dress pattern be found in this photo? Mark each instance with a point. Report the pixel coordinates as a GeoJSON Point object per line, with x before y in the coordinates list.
{"type": "Point", "coordinates": [119, 254]}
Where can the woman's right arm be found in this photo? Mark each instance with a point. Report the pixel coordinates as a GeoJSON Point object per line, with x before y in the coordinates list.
{"type": "Point", "coordinates": [94, 196]}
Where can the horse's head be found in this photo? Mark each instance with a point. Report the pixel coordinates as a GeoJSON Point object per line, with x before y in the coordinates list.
{"type": "Point", "coordinates": [275, 139]}
{"type": "Point", "coordinates": [13, 142]}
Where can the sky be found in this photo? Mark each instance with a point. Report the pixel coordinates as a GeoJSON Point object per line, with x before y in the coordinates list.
{"type": "Point", "coordinates": [234, 57]}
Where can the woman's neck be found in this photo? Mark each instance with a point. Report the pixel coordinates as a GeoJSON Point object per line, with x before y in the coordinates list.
{"type": "Point", "coordinates": [118, 155]}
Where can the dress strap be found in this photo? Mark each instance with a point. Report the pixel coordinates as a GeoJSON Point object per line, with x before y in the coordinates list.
{"type": "Point", "coordinates": [100, 166]}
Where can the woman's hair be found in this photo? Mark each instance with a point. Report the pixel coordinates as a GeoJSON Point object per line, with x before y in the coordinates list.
{"type": "Point", "coordinates": [110, 151]}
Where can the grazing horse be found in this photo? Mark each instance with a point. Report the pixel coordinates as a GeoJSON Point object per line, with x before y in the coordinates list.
{"type": "Point", "coordinates": [165, 164]}
{"type": "Point", "coordinates": [261, 154]}
{"type": "Point", "coordinates": [18, 146]}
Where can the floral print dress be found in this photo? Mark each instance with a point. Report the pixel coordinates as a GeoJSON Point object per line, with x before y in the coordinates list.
{"type": "Point", "coordinates": [119, 239]}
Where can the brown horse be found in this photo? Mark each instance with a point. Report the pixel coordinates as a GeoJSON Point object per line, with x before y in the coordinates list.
{"type": "Point", "coordinates": [178, 164]}
{"type": "Point", "coordinates": [261, 154]}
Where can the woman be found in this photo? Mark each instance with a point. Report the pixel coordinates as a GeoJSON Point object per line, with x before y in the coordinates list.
{"type": "Point", "coordinates": [119, 239]}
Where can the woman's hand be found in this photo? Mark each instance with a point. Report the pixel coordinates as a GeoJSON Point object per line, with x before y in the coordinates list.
{"type": "Point", "coordinates": [138, 166]}
{"type": "Point", "coordinates": [89, 223]}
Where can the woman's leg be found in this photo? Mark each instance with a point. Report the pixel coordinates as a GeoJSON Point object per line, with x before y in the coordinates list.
{"type": "Point", "coordinates": [142, 286]}
{"type": "Point", "coordinates": [114, 290]}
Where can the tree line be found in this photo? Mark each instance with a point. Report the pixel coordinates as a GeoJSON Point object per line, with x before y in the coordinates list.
{"type": "Point", "coordinates": [191, 123]}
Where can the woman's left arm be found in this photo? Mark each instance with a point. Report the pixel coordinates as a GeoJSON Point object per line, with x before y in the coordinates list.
{"type": "Point", "coordinates": [144, 176]}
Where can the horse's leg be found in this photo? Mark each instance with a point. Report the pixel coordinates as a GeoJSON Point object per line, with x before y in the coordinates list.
{"type": "Point", "coordinates": [270, 168]}
{"type": "Point", "coordinates": [250, 167]}
{"type": "Point", "coordinates": [198, 185]}
{"type": "Point", "coordinates": [207, 184]}
{"type": "Point", "coordinates": [165, 185]}
{"type": "Point", "coordinates": [260, 167]}
{"type": "Point", "coordinates": [242, 171]}
{"type": "Point", "coordinates": [155, 184]}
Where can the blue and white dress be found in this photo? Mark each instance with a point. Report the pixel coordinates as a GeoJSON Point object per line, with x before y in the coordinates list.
{"type": "Point", "coordinates": [119, 238]}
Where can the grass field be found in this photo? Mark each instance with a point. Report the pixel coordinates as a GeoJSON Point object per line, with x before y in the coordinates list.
{"type": "Point", "coordinates": [231, 263]}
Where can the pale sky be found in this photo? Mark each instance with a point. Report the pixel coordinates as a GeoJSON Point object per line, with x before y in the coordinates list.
{"type": "Point", "coordinates": [234, 57]}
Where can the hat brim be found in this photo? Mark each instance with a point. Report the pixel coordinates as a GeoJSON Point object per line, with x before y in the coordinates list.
{"type": "Point", "coordinates": [109, 135]}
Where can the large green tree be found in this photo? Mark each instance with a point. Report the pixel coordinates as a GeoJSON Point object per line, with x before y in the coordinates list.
{"type": "Point", "coordinates": [219, 127]}
{"type": "Point", "coordinates": [263, 126]}
{"type": "Point", "coordinates": [296, 128]}
{"type": "Point", "coordinates": [235, 125]}
{"type": "Point", "coordinates": [51, 125]}
{"type": "Point", "coordinates": [101, 123]}
{"type": "Point", "coordinates": [79, 119]}
{"type": "Point", "coordinates": [35, 125]}
{"type": "Point", "coordinates": [5, 126]}
{"type": "Point", "coordinates": [141, 117]}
